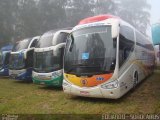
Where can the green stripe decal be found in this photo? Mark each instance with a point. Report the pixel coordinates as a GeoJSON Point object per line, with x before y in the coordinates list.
{"type": "Point", "coordinates": [53, 82]}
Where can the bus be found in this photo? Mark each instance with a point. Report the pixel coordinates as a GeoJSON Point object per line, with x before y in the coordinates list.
{"type": "Point", "coordinates": [4, 59]}
{"type": "Point", "coordinates": [105, 57]}
{"type": "Point", "coordinates": [48, 58]}
{"type": "Point", "coordinates": [21, 59]}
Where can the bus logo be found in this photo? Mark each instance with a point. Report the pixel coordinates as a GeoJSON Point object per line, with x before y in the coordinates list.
{"type": "Point", "coordinates": [99, 78]}
{"type": "Point", "coordinates": [85, 56]}
{"type": "Point", "coordinates": [84, 82]}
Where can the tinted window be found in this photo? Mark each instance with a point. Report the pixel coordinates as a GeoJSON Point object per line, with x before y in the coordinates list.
{"type": "Point", "coordinates": [126, 43]}
{"type": "Point", "coordinates": [34, 43]}
{"type": "Point", "coordinates": [90, 51]}
{"type": "Point", "coordinates": [16, 61]}
{"type": "Point", "coordinates": [47, 61]}
{"type": "Point", "coordinates": [143, 42]}
{"type": "Point", "coordinates": [140, 40]}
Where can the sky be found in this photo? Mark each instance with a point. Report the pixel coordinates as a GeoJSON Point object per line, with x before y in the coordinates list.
{"type": "Point", "coordinates": [155, 11]}
{"type": "Point", "coordinates": [155, 14]}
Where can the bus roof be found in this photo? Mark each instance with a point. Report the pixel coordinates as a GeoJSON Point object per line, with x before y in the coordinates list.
{"type": "Point", "coordinates": [96, 19]}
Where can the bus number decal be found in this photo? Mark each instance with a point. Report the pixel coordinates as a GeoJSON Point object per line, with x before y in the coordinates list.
{"type": "Point", "coordinates": [99, 78]}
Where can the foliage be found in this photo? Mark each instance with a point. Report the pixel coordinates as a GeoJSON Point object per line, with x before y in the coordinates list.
{"type": "Point", "coordinates": [8, 10]}
{"type": "Point", "coordinates": [18, 97]}
{"type": "Point", "coordinates": [27, 18]}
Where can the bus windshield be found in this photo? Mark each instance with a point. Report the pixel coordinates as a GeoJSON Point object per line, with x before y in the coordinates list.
{"type": "Point", "coordinates": [45, 40]}
{"type": "Point", "coordinates": [16, 61]}
{"type": "Point", "coordinates": [21, 45]}
{"type": "Point", "coordinates": [90, 51]}
{"type": "Point", "coordinates": [45, 62]}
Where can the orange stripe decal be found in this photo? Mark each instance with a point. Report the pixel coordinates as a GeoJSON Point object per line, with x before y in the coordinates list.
{"type": "Point", "coordinates": [88, 81]}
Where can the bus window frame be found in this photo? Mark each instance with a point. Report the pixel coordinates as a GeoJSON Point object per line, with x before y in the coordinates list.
{"type": "Point", "coordinates": [133, 47]}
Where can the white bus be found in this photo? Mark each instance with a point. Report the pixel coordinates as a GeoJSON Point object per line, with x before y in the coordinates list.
{"type": "Point", "coordinates": [105, 57]}
{"type": "Point", "coordinates": [48, 58]}
{"type": "Point", "coordinates": [21, 59]}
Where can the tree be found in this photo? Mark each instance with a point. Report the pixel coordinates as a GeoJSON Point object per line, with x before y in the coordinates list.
{"type": "Point", "coordinates": [52, 14]}
{"type": "Point", "coordinates": [37, 17]}
{"type": "Point", "coordinates": [27, 18]}
{"type": "Point", "coordinates": [105, 7]}
{"type": "Point", "coordinates": [135, 12]}
{"type": "Point", "coordinates": [77, 10]}
{"type": "Point", "coordinates": [8, 14]}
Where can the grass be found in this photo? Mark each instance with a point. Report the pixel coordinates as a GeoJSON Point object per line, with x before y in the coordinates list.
{"type": "Point", "coordinates": [26, 98]}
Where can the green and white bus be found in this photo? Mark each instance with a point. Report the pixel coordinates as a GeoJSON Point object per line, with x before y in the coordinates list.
{"type": "Point", "coordinates": [48, 58]}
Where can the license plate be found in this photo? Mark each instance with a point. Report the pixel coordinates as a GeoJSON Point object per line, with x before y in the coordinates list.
{"type": "Point", "coordinates": [84, 92]}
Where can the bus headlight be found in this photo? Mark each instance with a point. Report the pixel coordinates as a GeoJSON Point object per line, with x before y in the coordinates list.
{"type": "Point", "coordinates": [110, 85]}
{"type": "Point", "coordinates": [2, 70]}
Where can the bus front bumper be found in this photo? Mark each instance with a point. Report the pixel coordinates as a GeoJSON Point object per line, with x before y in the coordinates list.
{"type": "Point", "coordinates": [21, 74]}
{"type": "Point", "coordinates": [51, 82]}
{"type": "Point", "coordinates": [95, 92]}
{"type": "Point", "coordinates": [4, 72]}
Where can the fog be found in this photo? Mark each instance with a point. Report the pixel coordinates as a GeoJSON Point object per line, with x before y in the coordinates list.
{"type": "Point", "coordinates": [155, 16]}
{"type": "Point", "coordinates": [21, 19]}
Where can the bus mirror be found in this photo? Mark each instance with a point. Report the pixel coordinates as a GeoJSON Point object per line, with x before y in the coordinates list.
{"type": "Point", "coordinates": [115, 31]}
{"type": "Point", "coordinates": [62, 51]}
{"type": "Point", "coordinates": [115, 28]}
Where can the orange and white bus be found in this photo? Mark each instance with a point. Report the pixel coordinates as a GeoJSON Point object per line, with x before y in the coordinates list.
{"type": "Point", "coordinates": [105, 57]}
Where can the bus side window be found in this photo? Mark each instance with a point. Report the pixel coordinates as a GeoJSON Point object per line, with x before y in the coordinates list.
{"type": "Point", "coordinates": [33, 43]}
{"type": "Point", "coordinates": [126, 53]}
{"type": "Point", "coordinates": [126, 43]}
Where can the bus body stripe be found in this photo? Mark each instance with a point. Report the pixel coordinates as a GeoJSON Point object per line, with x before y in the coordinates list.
{"type": "Point", "coordinates": [88, 81]}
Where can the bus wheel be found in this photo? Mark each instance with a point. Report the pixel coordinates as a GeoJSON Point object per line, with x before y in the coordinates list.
{"type": "Point", "coordinates": [135, 79]}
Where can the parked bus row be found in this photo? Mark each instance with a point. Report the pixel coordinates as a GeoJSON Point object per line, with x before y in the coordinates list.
{"type": "Point", "coordinates": [103, 57]}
